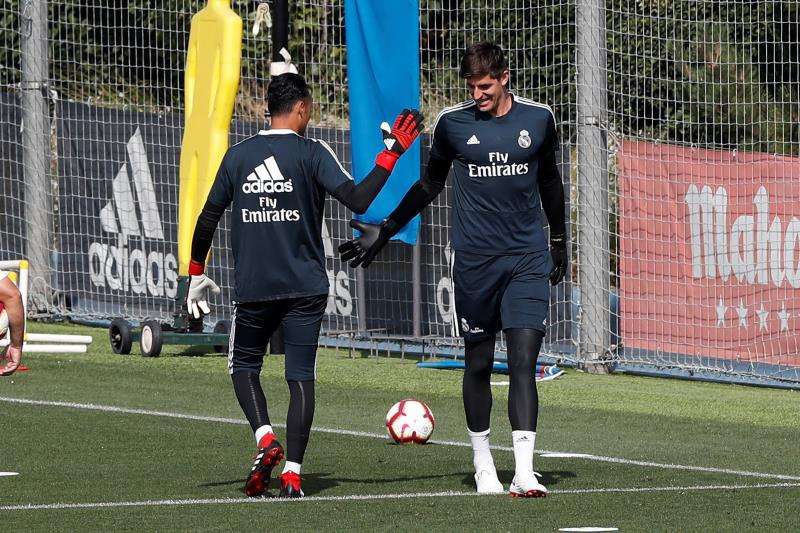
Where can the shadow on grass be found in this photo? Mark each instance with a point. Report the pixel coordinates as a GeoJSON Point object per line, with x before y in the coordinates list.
{"type": "Point", "coordinates": [313, 483]}
{"type": "Point", "coordinates": [548, 478]}
{"type": "Point", "coordinates": [196, 351]}
{"type": "Point", "coordinates": [223, 483]}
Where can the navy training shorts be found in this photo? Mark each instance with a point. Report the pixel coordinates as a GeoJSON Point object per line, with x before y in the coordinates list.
{"type": "Point", "coordinates": [494, 292]}
{"type": "Point", "coordinates": [253, 324]}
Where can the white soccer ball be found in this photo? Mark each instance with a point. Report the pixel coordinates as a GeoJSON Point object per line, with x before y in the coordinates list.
{"type": "Point", "coordinates": [410, 421]}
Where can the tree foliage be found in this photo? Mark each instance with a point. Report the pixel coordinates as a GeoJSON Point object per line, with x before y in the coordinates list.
{"type": "Point", "coordinates": [710, 73]}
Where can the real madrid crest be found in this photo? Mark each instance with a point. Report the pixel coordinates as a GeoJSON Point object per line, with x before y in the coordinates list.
{"type": "Point", "coordinates": [524, 139]}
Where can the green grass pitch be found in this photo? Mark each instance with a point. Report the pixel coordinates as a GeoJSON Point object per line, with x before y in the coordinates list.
{"type": "Point", "coordinates": [106, 442]}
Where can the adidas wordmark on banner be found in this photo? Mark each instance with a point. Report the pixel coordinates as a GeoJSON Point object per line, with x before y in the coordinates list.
{"type": "Point", "coordinates": [127, 266]}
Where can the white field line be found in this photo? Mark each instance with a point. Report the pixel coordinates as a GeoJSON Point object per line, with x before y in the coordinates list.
{"type": "Point", "coordinates": [362, 497]}
{"type": "Point", "coordinates": [237, 421]}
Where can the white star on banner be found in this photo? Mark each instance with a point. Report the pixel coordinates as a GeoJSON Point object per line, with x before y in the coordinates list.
{"type": "Point", "coordinates": [721, 308]}
{"type": "Point", "coordinates": [763, 314]}
{"type": "Point", "coordinates": [742, 310]}
{"type": "Point", "coordinates": [784, 315]}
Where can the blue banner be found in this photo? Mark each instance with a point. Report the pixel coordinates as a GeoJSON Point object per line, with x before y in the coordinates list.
{"type": "Point", "coordinates": [383, 79]}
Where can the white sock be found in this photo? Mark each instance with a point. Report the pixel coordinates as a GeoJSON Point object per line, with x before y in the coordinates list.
{"type": "Point", "coordinates": [263, 430]}
{"type": "Point", "coordinates": [524, 444]}
{"type": "Point", "coordinates": [481, 454]}
{"type": "Point", "coordinates": [291, 467]}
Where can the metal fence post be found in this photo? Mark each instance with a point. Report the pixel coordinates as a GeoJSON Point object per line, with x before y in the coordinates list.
{"type": "Point", "coordinates": [36, 140]}
{"type": "Point", "coordinates": [361, 298]}
{"type": "Point", "coordinates": [593, 215]}
{"type": "Point", "coordinates": [416, 278]}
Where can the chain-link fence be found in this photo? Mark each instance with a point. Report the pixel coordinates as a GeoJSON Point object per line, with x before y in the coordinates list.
{"type": "Point", "coordinates": [679, 129]}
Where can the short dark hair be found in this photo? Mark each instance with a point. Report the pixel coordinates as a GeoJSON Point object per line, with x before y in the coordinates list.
{"type": "Point", "coordinates": [483, 59]}
{"type": "Point", "coordinates": [284, 91]}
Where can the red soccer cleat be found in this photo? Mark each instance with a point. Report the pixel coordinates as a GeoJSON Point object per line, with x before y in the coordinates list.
{"type": "Point", "coordinates": [290, 485]}
{"type": "Point", "coordinates": [268, 457]}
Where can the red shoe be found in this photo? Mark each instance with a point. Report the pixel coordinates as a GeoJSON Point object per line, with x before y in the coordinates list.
{"type": "Point", "coordinates": [268, 457]}
{"type": "Point", "coordinates": [290, 485]}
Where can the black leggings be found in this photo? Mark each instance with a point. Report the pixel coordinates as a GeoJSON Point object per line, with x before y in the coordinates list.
{"type": "Point", "coordinates": [247, 387]}
{"type": "Point", "coordinates": [523, 400]}
{"type": "Point", "coordinates": [299, 419]}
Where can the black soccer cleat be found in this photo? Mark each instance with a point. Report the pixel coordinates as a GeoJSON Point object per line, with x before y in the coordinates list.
{"type": "Point", "coordinates": [266, 459]}
{"type": "Point", "coordinates": [290, 485]}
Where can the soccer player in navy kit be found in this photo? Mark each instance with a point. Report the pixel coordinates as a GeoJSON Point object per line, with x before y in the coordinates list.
{"type": "Point", "coordinates": [276, 181]}
{"type": "Point", "coordinates": [503, 152]}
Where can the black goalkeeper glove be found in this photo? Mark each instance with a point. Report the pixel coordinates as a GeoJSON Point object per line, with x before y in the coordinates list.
{"type": "Point", "coordinates": [558, 251]}
{"type": "Point", "coordinates": [397, 139]}
{"type": "Point", "coordinates": [362, 250]}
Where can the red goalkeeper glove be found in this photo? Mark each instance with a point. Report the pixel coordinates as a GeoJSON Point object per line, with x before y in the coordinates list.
{"type": "Point", "coordinates": [397, 139]}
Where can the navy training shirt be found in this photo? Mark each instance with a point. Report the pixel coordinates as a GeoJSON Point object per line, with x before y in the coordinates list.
{"type": "Point", "coordinates": [276, 181]}
{"type": "Point", "coordinates": [496, 209]}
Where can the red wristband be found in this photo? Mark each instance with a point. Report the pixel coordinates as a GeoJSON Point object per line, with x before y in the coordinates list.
{"type": "Point", "coordinates": [196, 268]}
{"type": "Point", "coordinates": [387, 159]}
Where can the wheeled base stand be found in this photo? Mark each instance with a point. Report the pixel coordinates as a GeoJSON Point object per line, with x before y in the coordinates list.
{"type": "Point", "coordinates": [154, 334]}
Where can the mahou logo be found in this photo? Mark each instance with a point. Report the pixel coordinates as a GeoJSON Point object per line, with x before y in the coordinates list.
{"type": "Point", "coordinates": [753, 247]}
{"type": "Point", "coordinates": [709, 252]}
{"type": "Point", "coordinates": [127, 263]}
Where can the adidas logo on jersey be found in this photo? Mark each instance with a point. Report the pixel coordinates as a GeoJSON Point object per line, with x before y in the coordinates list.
{"type": "Point", "coordinates": [267, 178]}
{"type": "Point", "coordinates": [473, 140]}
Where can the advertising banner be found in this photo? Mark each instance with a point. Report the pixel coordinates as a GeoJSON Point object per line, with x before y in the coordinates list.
{"type": "Point", "coordinates": [117, 208]}
{"type": "Point", "coordinates": [12, 189]}
{"type": "Point", "coordinates": [709, 262]}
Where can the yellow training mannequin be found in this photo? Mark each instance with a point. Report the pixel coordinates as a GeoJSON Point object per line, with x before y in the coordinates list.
{"type": "Point", "coordinates": [211, 83]}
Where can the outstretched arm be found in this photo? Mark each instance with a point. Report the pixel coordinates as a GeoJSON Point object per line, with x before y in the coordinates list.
{"type": "Point", "coordinates": [357, 198]}
{"type": "Point", "coordinates": [397, 139]}
{"type": "Point", "coordinates": [362, 250]}
{"type": "Point", "coordinates": [422, 192]}
{"type": "Point", "coordinates": [373, 238]}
